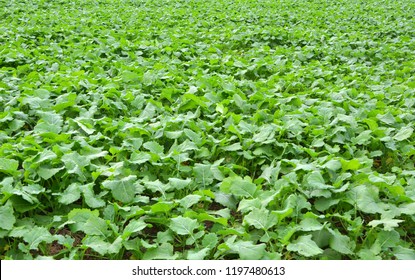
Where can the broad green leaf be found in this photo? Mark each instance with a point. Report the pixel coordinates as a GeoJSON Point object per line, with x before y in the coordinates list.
{"type": "Point", "coordinates": [183, 226]}
{"type": "Point", "coordinates": [71, 194]}
{"type": "Point", "coordinates": [207, 217]}
{"type": "Point", "coordinates": [246, 205]}
{"type": "Point", "coordinates": [310, 224]}
{"type": "Point", "coordinates": [366, 199]}
{"type": "Point", "coordinates": [140, 157]}
{"type": "Point", "coordinates": [260, 219]}
{"type": "Point", "coordinates": [161, 252]}
{"type": "Point", "coordinates": [238, 186]}
{"type": "Point", "coordinates": [353, 164]}
{"type": "Point", "coordinates": [363, 138]}
{"type": "Point", "coordinates": [388, 224]}
{"type": "Point", "coordinates": [210, 240]}
{"type": "Point", "coordinates": [316, 186]}
{"type": "Point", "coordinates": [36, 235]}
{"type": "Point", "coordinates": [404, 133]}
{"type": "Point", "coordinates": [367, 254]}
{"type": "Point", "coordinates": [226, 200]}
{"type": "Point", "coordinates": [233, 147]}
{"type": "Point", "coordinates": [189, 200]}
{"type": "Point", "coordinates": [87, 128]}
{"type": "Point", "coordinates": [333, 164]}
{"type": "Point", "coordinates": [133, 227]}
{"type": "Point", "coordinates": [179, 184]}
{"type": "Point", "coordinates": [193, 136]}
{"type": "Point", "coordinates": [46, 172]}
{"type": "Point", "coordinates": [78, 217]}
{"type": "Point", "coordinates": [115, 246]}
{"type": "Point", "coordinates": [157, 186]}
{"type": "Point", "coordinates": [8, 165]}
{"type": "Point", "coordinates": [247, 250]}
{"type": "Point", "coordinates": [97, 244]}
{"type": "Point", "coordinates": [203, 174]}
{"type": "Point", "coordinates": [292, 205]}
{"type": "Point", "coordinates": [45, 155]}
{"type": "Point", "coordinates": [387, 118]}
{"type": "Point", "coordinates": [265, 135]}
{"type": "Point", "coordinates": [408, 208]}
{"type": "Point", "coordinates": [49, 122]}
{"type": "Point", "coordinates": [7, 218]}
{"type": "Point", "coordinates": [95, 226]}
{"type": "Point", "coordinates": [305, 246]}
{"type": "Point", "coordinates": [123, 189]}
{"type": "Point", "coordinates": [90, 198]}
{"type": "Point", "coordinates": [323, 203]}
{"type": "Point", "coordinates": [402, 253]}
{"type": "Point", "coordinates": [75, 163]}
{"type": "Point", "coordinates": [162, 207]}
{"type": "Point", "coordinates": [385, 239]}
{"type": "Point", "coordinates": [154, 147]}
{"type": "Point", "coordinates": [197, 254]}
{"type": "Point", "coordinates": [341, 243]}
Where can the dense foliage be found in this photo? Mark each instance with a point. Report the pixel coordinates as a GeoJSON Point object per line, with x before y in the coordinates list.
{"type": "Point", "coordinates": [201, 129]}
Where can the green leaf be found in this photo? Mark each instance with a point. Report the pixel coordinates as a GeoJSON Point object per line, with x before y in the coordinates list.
{"type": "Point", "coordinates": [8, 165]}
{"type": "Point", "coordinates": [71, 194]}
{"type": "Point", "coordinates": [162, 207]}
{"type": "Point", "coordinates": [402, 253]}
{"type": "Point", "coordinates": [197, 254]}
{"type": "Point", "coordinates": [75, 163]}
{"type": "Point", "coordinates": [7, 218]}
{"type": "Point", "coordinates": [233, 147]}
{"type": "Point", "coordinates": [123, 189]}
{"type": "Point", "coordinates": [85, 127]}
{"type": "Point", "coordinates": [78, 217]}
{"type": "Point", "coordinates": [95, 226]}
{"type": "Point", "coordinates": [161, 252]}
{"type": "Point", "coordinates": [408, 208]}
{"type": "Point", "coordinates": [97, 244]}
{"type": "Point", "coordinates": [366, 199]}
{"type": "Point", "coordinates": [305, 246]}
{"type": "Point", "coordinates": [388, 224]}
{"type": "Point", "coordinates": [47, 172]}
{"type": "Point", "coordinates": [260, 219]}
{"type": "Point", "coordinates": [140, 157]}
{"type": "Point", "coordinates": [404, 133]}
{"type": "Point", "coordinates": [247, 250]}
{"type": "Point", "coordinates": [133, 227]}
{"type": "Point", "coordinates": [90, 199]}
{"type": "Point", "coordinates": [384, 240]}
{"type": "Point", "coordinates": [157, 186]}
{"type": "Point", "coordinates": [316, 186]}
{"type": "Point", "coordinates": [226, 200]}
{"type": "Point", "coordinates": [363, 138]}
{"type": "Point", "coordinates": [238, 186]}
{"type": "Point", "coordinates": [183, 226]}
{"type": "Point", "coordinates": [203, 174]}
{"type": "Point", "coordinates": [36, 235]}
{"type": "Point", "coordinates": [387, 118]}
{"type": "Point", "coordinates": [189, 200]}
{"type": "Point", "coordinates": [265, 135]}
{"type": "Point", "coordinates": [210, 240]}
{"type": "Point", "coordinates": [154, 147]}
{"type": "Point", "coordinates": [49, 122]}
{"type": "Point", "coordinates": [353, 164]}
{"type": "Point", "coordinates": [179, 184]}
{"type": "Point", "coordinates": [341, 243]}
{"type": "Point", "coordinates": [310, 224]}
{"type": "Point", "coordinates": [366, 254]}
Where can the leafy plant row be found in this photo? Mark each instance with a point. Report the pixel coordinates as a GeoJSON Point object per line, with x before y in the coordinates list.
{"type": "Point", "coordinates": [207, 129]}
